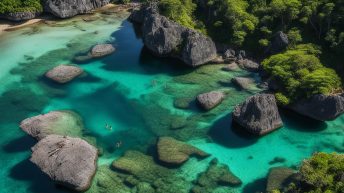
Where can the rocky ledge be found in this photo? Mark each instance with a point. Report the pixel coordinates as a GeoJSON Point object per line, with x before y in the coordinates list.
{"type": "Point", "coordinates": [54, 122]}
{"type": "Point", "coordinates": [64, 73]}
{"type": "Point", "coordinates": [175, 152]}
{"type": "Point", "coordinates": [258, 114]}
{"type": "Point", "coordinates": [166, 38]}
{"type": "Point", "coordinates": [20, 16]}
{"type": "Point", "coordinates": [211, 99]}
{"type": "Point", "coordinates": [70, 8]}
{"type": "Point", "coordinates": [320, 107]}
{"type": "Point", "coordinates": [71, 162]}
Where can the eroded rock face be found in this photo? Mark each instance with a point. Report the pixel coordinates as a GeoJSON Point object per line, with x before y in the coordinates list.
{"type": "Point", "coordinates": [320, 107]}
{"type": "Point", "coordinates": [258, 114]}
{"type": "Point", "coordinates": [54, 122]}
{"type": "Point", "coordinates": [20, 16]}
{"type": "Point", "coordinates": [70, 8]}
{"type": "Point", "coordinates": [68, 161]}
{"type": "Point", "coordinates": [211, 99]}
{"type": "Point", "coordinates": [101, 50]}
{"type": "Point", "coordinates": [64, 73]}
{"type": "Point", "coordinates": [166, 38]}
{"type": "Point", "coordinates": [175, 152]}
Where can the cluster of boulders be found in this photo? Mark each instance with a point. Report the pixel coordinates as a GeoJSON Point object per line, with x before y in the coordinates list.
{"type": "Point", "coordinates": [59, 8]}
{"type": "Point", "coordinates": [59, 153]}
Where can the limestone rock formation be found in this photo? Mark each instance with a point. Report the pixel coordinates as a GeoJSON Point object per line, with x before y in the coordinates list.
{"type": "Point", "coordinates": [175, 152]}
{"type": "Point", "coordinates": [320, 107]}
{"type": "Point", "coordinates": [258, 114]}
{"type": "Point", "coordinates": [54, 122]}
{"type": "Point", "coordinates": [211, 99]}
{"type": "Point", "coordinates": [70, 8]}
{"type": "Point", "coordinates": [64, 73]}
{"type": "Point", "coordinates": [68, 161]}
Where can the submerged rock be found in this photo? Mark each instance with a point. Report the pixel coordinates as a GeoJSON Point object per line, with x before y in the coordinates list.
{"type": "Point", "coordinates": [231, 67]}
{"type": "Point", "coordinates": [258, 114]}
{"type": "Point", "coordinates": [166, 38]}
{"type": "Point", "coordinates": [64, 73]}
{"type": "Point", "coordinates": [182, 103]}
{"type": "Point", "coordinates": [71, 162]}
{"type": "Point", "coordinates": [320, 107]}
{"type": "Point", "coordinates": [54, 122]}
{"type": "Point", "coordinates": [211, 99]}
{"type": "Point", "coordinates": [101, 50]}
{"type": "Point", "coordinates": [70, 8]}
{"type": "Point", "coordinates": [278, 178]}
{"type": "Point", "coordinates": [216, 175]}
{"type": "Point", "coordinates": [172, 151]}
{"type": "Point", "coordinates": [20, 16]}
{"type": "Point", "coordinates": [243, 82]}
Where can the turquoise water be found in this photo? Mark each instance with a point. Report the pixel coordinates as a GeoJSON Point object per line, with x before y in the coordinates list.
{"type": "Point", "coordinates": [134, 92]}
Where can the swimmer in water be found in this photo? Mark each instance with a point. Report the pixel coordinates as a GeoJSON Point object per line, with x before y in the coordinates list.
{"type": "Point", "coordinates": [118, 144]}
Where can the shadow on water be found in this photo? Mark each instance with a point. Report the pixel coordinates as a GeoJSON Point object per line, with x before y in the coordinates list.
{"type": "Point", "coordinates": [228, 134]}
{"type": "Point", "coordinates": [40, 183]}
{"type": "Point", "coordinates": [20, 144]}
{"type": "Point", "coordinates": [258, 185]}
{"type": "Point", "coordinates": [301, 123]}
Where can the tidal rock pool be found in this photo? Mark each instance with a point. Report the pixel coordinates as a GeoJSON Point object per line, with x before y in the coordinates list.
{"type": "Point", "coordinates": [127, 100]}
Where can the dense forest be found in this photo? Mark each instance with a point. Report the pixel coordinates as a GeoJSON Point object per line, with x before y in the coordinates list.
{"type": "Point", "coordinates": [11, 6]}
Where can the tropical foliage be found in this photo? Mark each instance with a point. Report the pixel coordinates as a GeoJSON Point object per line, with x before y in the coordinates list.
{"type": "Point", "coordinates": [12, 6]}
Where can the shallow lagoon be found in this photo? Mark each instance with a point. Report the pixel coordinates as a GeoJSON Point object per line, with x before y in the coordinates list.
{"type": "Point", "coordinates": [134, 92]}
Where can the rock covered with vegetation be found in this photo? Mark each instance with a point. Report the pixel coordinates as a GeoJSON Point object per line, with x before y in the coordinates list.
{"type": "Point", "coordinates": [215, 176]}
{"type": "Point", "coordinates": [55, 122]}
{"type": "Point", "coordinates": [18, 10]}
{"type": "Point", "coordinates": [211, 99]}
{"type": "Point", "coordinates": [278, 177]}
{"type": "Point", "coordinates": [175, 152]}
{"type": "Point", "coordinates": [68, 161]}
{"type": "Point", "coordinates": [64, 73]}
{"type": "Point", "coordinates": [70, 8]}
{"type": "Point", "coordinates": [258, 114]}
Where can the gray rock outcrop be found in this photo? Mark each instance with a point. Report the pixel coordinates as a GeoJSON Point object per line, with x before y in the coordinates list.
{"type": "Point", "coordinates": [320, 107]}
{"type": "Point", "coordinates": [101, 50]}
{"type": "Point", "coordinates": [54, 122]}
{"type": "Point", "coordinates": [166, 38]}
{"type": "Point", "coordinates": [20, 16]}
{"type": "Point", "coordinates": [258, 114]}
{"type": "Point", "coordinates": [210, 100]}
{"type": "Point", "coordinates": [279, 43]}
{"type": "Point", "coordinates": [70, 8]}
{"type": "Point", "coordinates": [249, 65]}
{"type": "Point", "coordinates": [64, 73]}
{"type": "Point", "coordinates": [71, 162]}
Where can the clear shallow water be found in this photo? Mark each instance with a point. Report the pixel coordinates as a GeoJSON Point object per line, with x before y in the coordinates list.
{"type": "Point", "coordinates": [134, 92]}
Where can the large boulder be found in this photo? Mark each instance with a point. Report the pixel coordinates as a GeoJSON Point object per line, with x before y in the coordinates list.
{"type": "Point", "coordinates": [279, 43]}
{"type": "Point", "coordinates": [211, 99]}
{"type": "Point", "coordinates": [64, 73]}
{"type": "Point", "coordinates": [68, 161]}
{"type": "Point", "coordinates": [320, 107]}
{"type": "Point", "coordinates": [164, 37]}
{"type": "Point", "coordinates": [54, 122]}
{"type": "Point", "coordinates": [258, 114]}
{"type": "Point", "coordinates": [175, 152]}
{"type": "Point", "coordinates": [249, 65]}
{"type": "Point", "coordinates": [20, 16]}
{"type": "Point", "coordinates": [70, 8]}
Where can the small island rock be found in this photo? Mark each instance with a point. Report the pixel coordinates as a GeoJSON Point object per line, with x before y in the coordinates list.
{"type": "Point", "coordinates": [243, 83]}
{"type": "Point", "coordinates": [101, 50]}
{"type": "Point", "coordinates": [68, 161]}
{"type": "Point", "coordinates": [175, 152]}
{"type": "Point", "coordinates": [64, 73]}
{"type": "Point", "coordinates": [54, 122]}
{"type": "Point", "coordinates": [211, 99]}
{"type": "Point", "coordinates": [258, 114]}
